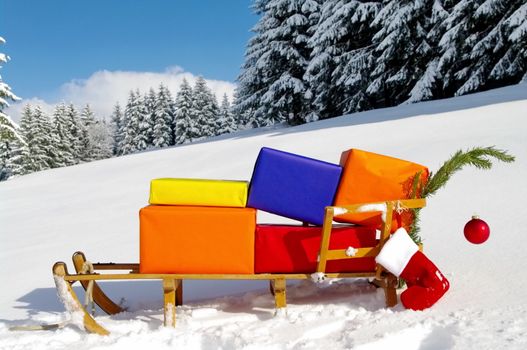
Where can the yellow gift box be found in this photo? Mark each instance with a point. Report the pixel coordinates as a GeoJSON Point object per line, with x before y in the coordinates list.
{"type": "Point", "coordinates": [200, 192]}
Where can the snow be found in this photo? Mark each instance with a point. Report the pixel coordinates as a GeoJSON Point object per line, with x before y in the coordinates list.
{"type": "Point", "coordinates": [351, 251]}
{"type": "Point", "coordinates": [374, 207]}
{"type": "Point", "coordinates": [75, 314]}
{"type": "Point", "coordinates": [46, 216]}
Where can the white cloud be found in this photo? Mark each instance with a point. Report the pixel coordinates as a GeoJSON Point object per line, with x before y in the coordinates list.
{"type": "Point", "coordinates": [104, 88]}
{"type": "Point", "coordinates": [15, 108]}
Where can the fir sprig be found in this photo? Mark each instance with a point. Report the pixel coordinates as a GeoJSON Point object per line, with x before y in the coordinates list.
{"type": "Point", "coordinates": [479, 157]}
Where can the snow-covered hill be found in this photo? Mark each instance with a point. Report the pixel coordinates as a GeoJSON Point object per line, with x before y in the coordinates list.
{"type": "Point", "coordinates": [46, 216]}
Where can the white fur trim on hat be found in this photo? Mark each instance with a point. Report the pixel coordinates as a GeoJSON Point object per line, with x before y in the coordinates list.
{"type": "Point", "coordinates": [397, 252]}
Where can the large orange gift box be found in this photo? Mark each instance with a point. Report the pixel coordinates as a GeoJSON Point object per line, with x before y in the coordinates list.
{"type": "Point", "coordinates": [193, 239]}
{"type": "Point", "coordinates": [369, 177]}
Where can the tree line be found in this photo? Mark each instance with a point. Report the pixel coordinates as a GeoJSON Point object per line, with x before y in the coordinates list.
{"type": "Point", "coordinates": [308, 60]}
{"type": "Point", "coordinates": [156, 120]}
{"type": "Point", "coordinates": [317, 59]}
{"type": "Point", "coordinates": [148, 121]}
{"type": "Point", "coordinates": [65, 138]}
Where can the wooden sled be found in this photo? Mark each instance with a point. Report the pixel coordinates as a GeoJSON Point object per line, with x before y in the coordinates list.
{"type": "Point", "coordinates": [88, 274]}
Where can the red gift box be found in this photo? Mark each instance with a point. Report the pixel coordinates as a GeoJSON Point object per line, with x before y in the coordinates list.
{"type": "Point", "coordinates": [294, 249]}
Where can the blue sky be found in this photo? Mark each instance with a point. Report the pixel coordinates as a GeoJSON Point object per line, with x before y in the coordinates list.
{"type": "Point", "coordinates": [54, 44]}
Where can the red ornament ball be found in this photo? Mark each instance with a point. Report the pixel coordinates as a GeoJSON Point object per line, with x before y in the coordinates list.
{"type": "Point", "coordinates": [476, 230]}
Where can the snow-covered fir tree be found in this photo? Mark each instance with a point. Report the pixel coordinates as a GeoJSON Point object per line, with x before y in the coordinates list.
{"type": "Point", "coordinates": [341, 59]}
{"type": "Point", "coordinates": [271, 82]}
{"type": "Point", "coordinates": [149, 106]}
{"type": "Point", "coordinates": [370, 54]}
{"type": "Point", "coordinates": [402, 50]}
{"type": "Point", "coordinates": [185, 127]}
{"type": "Point", "coordinates": [130, 124]}
{"type": "Point", "coordinates": [101, 141]}
{"type": "Point", "coordinates": [249, 89]}
{"type": "Point", "coordinates": [117, 129]}
{"type": "Point", "coordinates": [9, 131]}
{"type": "Point", "coordinates": [144, 123]}
{"type": "Point", "coordinates": [135, 128]}
{"type": "Point", "coordinates": [87, 116]}
{"type": "Point", "coordinates": [18, 154]}
{"type": "Point", "coordinates": [243, 113]}
{"type": "Point", "coordinates": [488, 46]}
{"type": "Point", "coordinates": [428, 84]}
{"type": "Point", "coordinates": [226, 120]}
{"type": "Point", "coordinates": [50, 139]}
{"type": "Point", "coordinates": [45, 138]}
{"type": "Point", "coordinates": [35, 156]}
{"type": "Point", "coordinates": [477, 49]}
{"type": "Point", "coordinates": [11, 151]}
{"type": "Point", "coordinates": [8, 154]}
{"type": "Point", "coordinates": [96, 136]}
{"type": "Point", "coordinates": [64, 147]}
{"type": "Point", "coordinates": [73, 125]}
{"type": "Point", "coordinates": [163, 133]}
{"type": "Point", "coordinates": [325, 44]}
{"type": "Point", "coordinates": [204, 111]}
{"type": "Point", "coordinates": [513, 65]}
{"type": "Point", "coordinates": [22, 162]}
{"type": "Point", "coordinates": [87, 121]}
{"type": "Point", "coordinates": [213, 110]}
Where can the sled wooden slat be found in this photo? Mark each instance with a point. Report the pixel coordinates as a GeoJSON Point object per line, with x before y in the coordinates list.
{"type": "Point", "coordinates": [399, 204]}
{"type": "Point", "coordinates": [114, 266]}
{"type": "Point", "coordinates": [324, 243]}
{"type": "Point", "coordinates": [160, 276]}
{"type": "Point", "coordinates": [179, 292]}
{"type": "Point", "coordinates": [368, 252]}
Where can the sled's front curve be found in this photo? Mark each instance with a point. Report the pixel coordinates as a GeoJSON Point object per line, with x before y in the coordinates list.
{"type": "Point", "coordinates": [71, 302]}
{"type": "Point", "coordinates": [99, 297]}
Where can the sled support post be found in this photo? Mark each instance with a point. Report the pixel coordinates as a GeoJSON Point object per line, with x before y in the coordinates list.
{"type": "Point", "coordinates": [324, 244]}
{"type": "Point", "coordinates": [179, 292]}
{"type": "Point", "coordinates": [388, 283]}
{"type": "Point", "coordinates": [169, 293]}
{"type": "Point", "coordinates": [390, 292]}
{"type": "Point", "coordinates": [278, 286]}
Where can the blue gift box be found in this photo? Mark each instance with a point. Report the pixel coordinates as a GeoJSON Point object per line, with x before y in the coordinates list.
{"type": "Point", "coordinates": [293, 186]}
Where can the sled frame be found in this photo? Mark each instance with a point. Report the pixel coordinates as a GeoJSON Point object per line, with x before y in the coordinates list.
{"type": "Point", "coordinates": [172, 284]}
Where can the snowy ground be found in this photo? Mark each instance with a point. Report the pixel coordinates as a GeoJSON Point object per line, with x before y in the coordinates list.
{"type": "Point", "coordinates": [45, 217]}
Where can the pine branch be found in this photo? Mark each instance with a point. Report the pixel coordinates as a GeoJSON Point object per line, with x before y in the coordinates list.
{"type": "Point", "coordinates": [414, 227]}
{"type": "Point", "coordinates": [479, 157]}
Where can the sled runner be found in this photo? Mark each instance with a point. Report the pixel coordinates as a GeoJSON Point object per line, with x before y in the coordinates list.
{"type": "Point", "coordinates": [88, 274]}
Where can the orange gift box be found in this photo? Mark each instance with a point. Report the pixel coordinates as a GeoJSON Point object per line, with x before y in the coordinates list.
{"type": "Point", "coordinates": [370, 177]}
{"type": "Point", "coordinates": [191, 239]}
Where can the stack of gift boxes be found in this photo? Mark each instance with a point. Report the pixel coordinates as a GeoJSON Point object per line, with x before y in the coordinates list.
{"type": "Point", "coordinates": [209, 226]}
